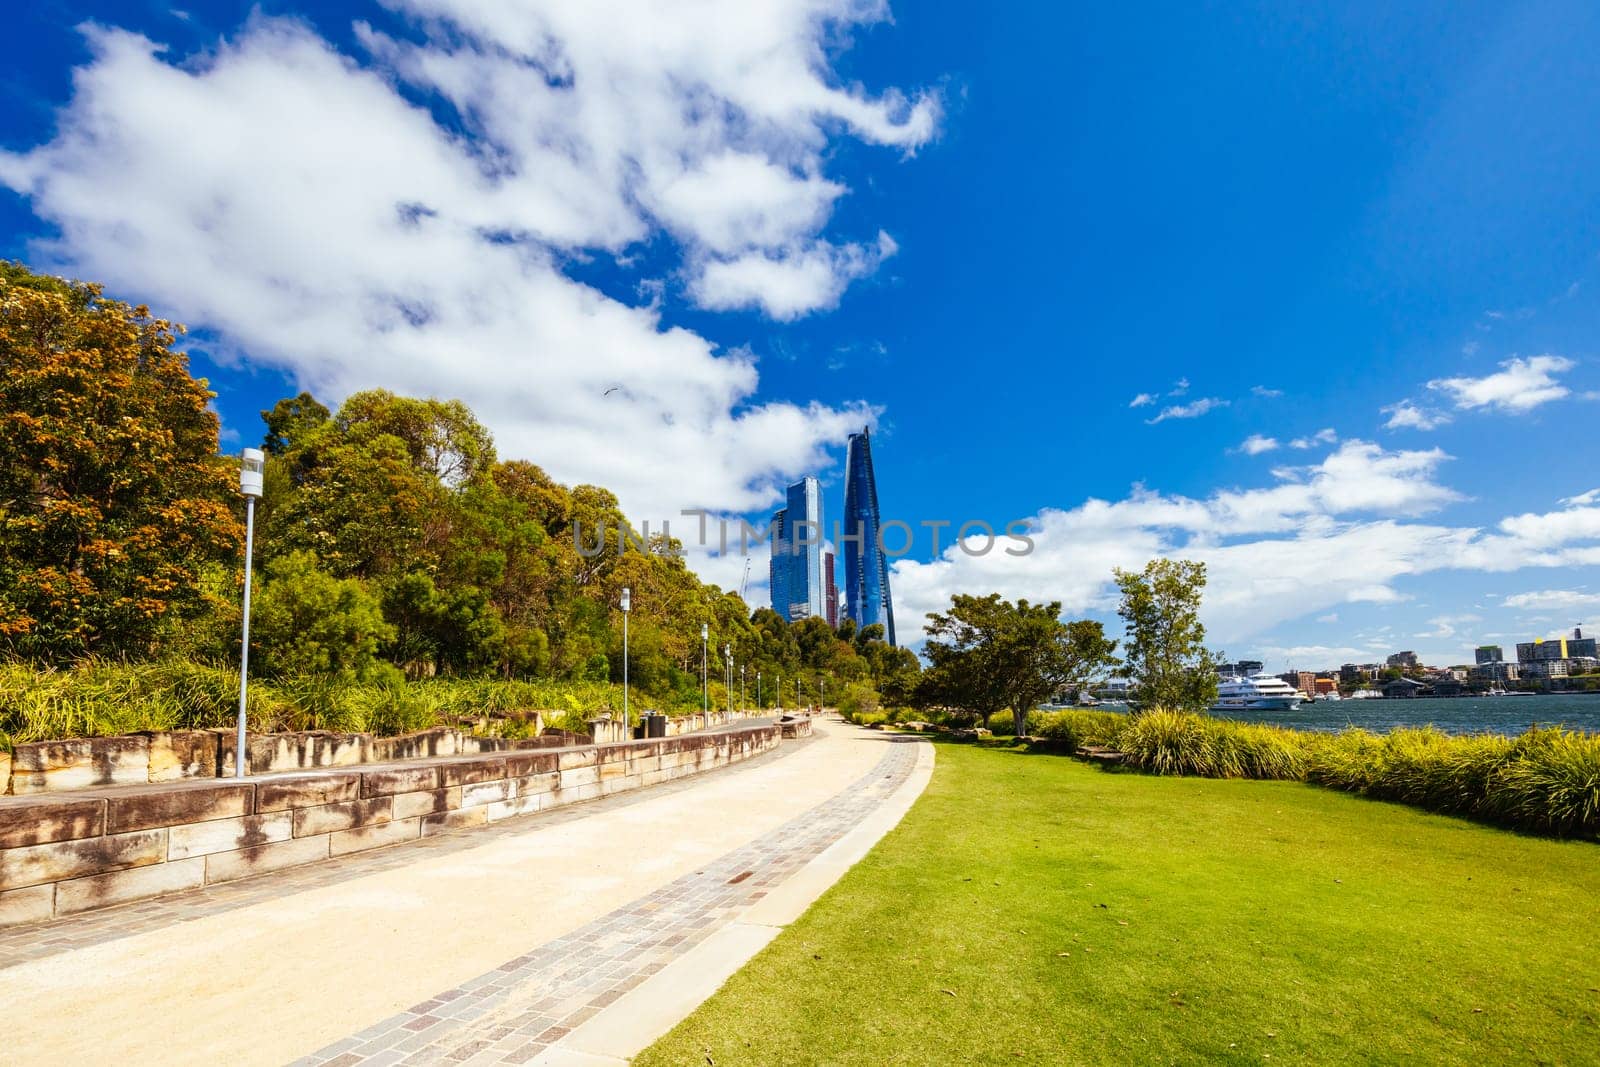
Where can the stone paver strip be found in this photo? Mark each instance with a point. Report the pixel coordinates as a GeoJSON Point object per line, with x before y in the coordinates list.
{"type": "Point", "coordinates": [521, 1008]}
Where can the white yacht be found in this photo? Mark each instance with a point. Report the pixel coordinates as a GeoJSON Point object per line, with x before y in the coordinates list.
{"type": "Point", "coordinates": [1259, 692]}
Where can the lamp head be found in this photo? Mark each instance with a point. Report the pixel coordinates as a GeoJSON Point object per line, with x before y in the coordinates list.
{"type": "Point", "coordinates": [252, 467]}
{"type": "Point", "coordinates": [627, 598]}
{"type": "Point", "coordinates": [705, 631]}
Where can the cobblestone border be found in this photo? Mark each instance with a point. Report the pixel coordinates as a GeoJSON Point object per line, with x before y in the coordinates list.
{"type": "Point", "coordinates": [518, 1010]}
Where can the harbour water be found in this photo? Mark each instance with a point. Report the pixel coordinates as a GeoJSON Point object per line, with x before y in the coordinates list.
{"type": "Point", "coordinates": [1455, 715]}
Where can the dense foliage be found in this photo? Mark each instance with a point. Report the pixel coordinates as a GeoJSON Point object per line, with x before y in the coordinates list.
{"type": "Point", "coordinates": [1165, 655]}
{"type": "Point", "coordinates": [393, 544]}
{"type": "Point", "coordinates": [113, 501]}
{"type": "Point", "coordinates": [987, 654]}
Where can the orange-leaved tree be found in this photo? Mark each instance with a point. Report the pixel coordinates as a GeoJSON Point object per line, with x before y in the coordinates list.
{"type": "Point", "coordinates": [112, 496]}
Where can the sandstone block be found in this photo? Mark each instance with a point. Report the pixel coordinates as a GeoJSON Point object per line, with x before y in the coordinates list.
{"type": "Point", "coordinates": [333, 817]}
{"type": "Point", "coordinates": [306, 790]}
{"type": "Point", "coordinates": [440, 741]}
{"type": "Point", "coordinates": [538, 783]}
{"type": "Point", "coordinates": [103, 890]}
{"type": "Point", "coordinates": [178, 802]}
{"type": "Point", "coordinates": [27, 905]}
{"type": "Point", "coordinates": [505, 809]}
{"type": "Point", "coordinates": [5, 772]}
{"type": "Point", "coordinates": [487, 792]}
{"type": "Point", "coordinates": [37, 864]}
{"type": "Point", "coordinates": [39, 820]}
{"type": "Point", "coordinates": [444, 821]}
{"type": "Point", "coordinates": [228, 835]}
{"type": "Point", "coordinates": [411, 805]}
{"type": "Point", "coordinates": [612, 769]}
{"type": "Point", "coordinates": [577, 776]}
{"type": "Point", "coordinates": [386, 781]}
{"type": "Point", "coordinates": [618, 784]}
{"type": "Point", "coordinates": [472, 770]}
{"type": "Point", "coordinates": [49, 766]}
{"type": "Point", "coordinates": [523, 764]}
{"type": "Point", "coordinates": [578, 757]}
{"type": "Point", "coordinates": [227, 866]}
{"type": "Point", "coordinates": [374, 836]}
{"type": "Point", "coordinates": [181, 754]}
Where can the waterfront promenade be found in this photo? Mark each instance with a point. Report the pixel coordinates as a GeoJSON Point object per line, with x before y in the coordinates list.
{"type": "Point", "coordinates": [572, 937]}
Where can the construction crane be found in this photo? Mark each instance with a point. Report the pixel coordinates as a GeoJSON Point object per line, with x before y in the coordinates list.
{"type": "Point", "coordinates": [745, 581]}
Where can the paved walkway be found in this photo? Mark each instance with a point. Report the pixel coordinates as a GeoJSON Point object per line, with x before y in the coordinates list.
{"type": "Point", "coordinates": [572, 937]}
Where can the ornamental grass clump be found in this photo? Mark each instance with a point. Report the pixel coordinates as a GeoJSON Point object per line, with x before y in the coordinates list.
{"type": "Point", "coordinates": [1176, 742]}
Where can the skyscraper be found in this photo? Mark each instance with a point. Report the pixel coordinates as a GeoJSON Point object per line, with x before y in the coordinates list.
{"type": "Point", "coordinates": [866, 571]}
{"type": "Point", "coordinates": [799, 586]}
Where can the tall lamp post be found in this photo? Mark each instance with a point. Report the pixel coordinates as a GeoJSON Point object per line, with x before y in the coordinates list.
{"type": "Point", "coordinates": [727, 674]}
{"type": "Point", "coordinates": [821, 693]}
{"type": "Point", "coordinates": [759, 704]}
{"type": "Point", "coordinates": [252, 465]}
{"type": "Point", "coordinates": [743, 703]}
{"type": "Point", "coordinates": [705, 687]}
{"type": "Point", "coordinates": [627, 604]}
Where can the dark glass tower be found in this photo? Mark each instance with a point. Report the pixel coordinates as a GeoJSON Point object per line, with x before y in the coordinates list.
{"type": "Point", "coordinates": [866, 571]}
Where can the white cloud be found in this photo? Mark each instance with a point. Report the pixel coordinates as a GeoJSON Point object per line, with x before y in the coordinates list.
{"type": "Point", "coordinates": [1583, 500]}
{"type": "Point", "coordinates": [1332, 616]}
{"type": "Point", "coordinates": [1264, 392]}
{"type": "Point", "coordinates": [1321, 437]}
{"type": "Point", "coordinates": [1256, 444]}
{"type": "Point", "coordinates": [1192, 410]}
{"type": "Point", "coordinates": [1179, 387]}
{"type": "Point", "coordinates": [1407, 415]}
{"type": "Point", "coordinates": [1340, 531]}
{"type": "Point", "coordinates": [321, 220]}
{"type": "Point", "coordinates": [1520, 385]}
{"type": "Point", "coordinates": [1560, 600]}
{"type": "Point", "coordinates": [791, 284]}
{"type": "Point", "coordinates": [1142, 400]}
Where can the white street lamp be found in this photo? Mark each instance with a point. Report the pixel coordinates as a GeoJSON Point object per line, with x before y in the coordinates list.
{"type": "Point", "coordinates": [743, 703]}
{"type": "Point", "coordinates": [727, 674]}
{"type": "Point", "coordinates": [627, 603]}
{"type": "Point", "coordinates": [759, 704]}
{"type": "Point", "coordinates": [705, 687]}
{"type": "Point", "coordinates": [252, 468]}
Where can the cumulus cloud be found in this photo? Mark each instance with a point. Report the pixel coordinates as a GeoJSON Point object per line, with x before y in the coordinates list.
{"type": "Point", "coordinates": [1192, 410]}
{"type": "Point", "coordinates": [1519, 386]}
{"type": "Point", "coordinates": [1407, 415]}
{"type": "Point", "coordinates": [1265, 393]}
{"type": "Point", "coordinates": [1142, 400]}
{"type": "Point", "coordinates": [321, 216]}
{"type": "Point", "coordinates": [1340, 531]}
{"type": "Point", "coordinates": [1256, 444]}
{"type": "Point", "coordinates": [1560, 600]}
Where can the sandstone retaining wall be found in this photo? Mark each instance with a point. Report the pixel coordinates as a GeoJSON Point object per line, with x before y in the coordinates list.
{"type": "Point", "coordinates": [68, 852]}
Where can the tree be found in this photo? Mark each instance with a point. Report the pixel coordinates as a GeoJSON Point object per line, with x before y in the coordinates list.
{"type": "Point", "coordinates": [989, 654]}
{"type": "Point", "coordinates": [113, 500]}
{"type": "Point", "coordinates": [1166, 655]}
{"type": "Point", "coordinates": [306, 621]}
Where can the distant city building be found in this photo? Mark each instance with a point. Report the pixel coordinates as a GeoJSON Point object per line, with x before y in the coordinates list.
{"type": "Point", "coordinates": [1327, 685]}
{"type": "Point", "coordinates": [799, 586]}
{"type": "Point", "coordinates": [1403, 660]}
{"type": "Point", "coordinates": [866, 571]}
{"type": "Point", "coordinates": [1557, 657]}
{"type": "Point", "coordinates": [1404, 687]}
{"type": "Point", "coordinates": [1353, 673]}
{"type": "Point", "coordinates": [1244, 668]}
{"type": "Point", "coordinates": [1490, 654]}
{"type": "Point", "coordinates": [1497, 671]}
{"type": "Point", "coordinates": [832, 589]}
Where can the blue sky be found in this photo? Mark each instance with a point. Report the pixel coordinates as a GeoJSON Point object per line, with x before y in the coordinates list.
{"type": "Point", "coordinates": [1367, 232]}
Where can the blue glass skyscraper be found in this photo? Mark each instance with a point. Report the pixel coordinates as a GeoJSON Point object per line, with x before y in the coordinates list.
{"type": "Point", "coordinates": [799, 586]}
{"type": "Point", "coordinates": [866, 571]}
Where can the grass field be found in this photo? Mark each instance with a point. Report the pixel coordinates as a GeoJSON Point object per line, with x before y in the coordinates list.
{"type": "Point", "coordinates": [1031, 909]}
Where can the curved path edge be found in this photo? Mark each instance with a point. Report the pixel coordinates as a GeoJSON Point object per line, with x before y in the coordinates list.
{"type": "Point", "coordinates": [630, 1025]}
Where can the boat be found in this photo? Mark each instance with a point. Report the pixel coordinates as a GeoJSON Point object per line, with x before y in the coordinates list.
{"type": "Point", "coordinates": [1497, 691]}
{"type": "Point", "coordinates": [1328, 696]}
{"type": "Point", "coordinates": [1258, 692]}
{"type": "Point", "coordinates": [1365, 694]}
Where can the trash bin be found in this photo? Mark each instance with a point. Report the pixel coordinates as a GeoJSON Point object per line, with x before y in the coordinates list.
{"type": "Point", "coordinates": [657, 724]}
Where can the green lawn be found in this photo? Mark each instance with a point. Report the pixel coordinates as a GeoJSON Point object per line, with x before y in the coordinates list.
{"type": "Point", "coordinates": [1033, 909]}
